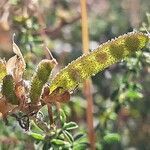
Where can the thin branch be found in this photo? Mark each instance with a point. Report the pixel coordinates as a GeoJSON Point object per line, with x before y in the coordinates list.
{"type": "Point", "coordinates": [54, 32]}
{"type": "Point", "coordinates": [50, 113]}
{"type": "Point", "coordinates": [87, 84]}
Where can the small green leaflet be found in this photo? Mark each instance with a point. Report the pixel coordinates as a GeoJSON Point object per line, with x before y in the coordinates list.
{"type": "Point", "coordinates": [102, 57]}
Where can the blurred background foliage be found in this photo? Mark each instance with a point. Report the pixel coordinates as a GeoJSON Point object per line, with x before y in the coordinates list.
{"type": "Point", "coordinates": [121, 92]}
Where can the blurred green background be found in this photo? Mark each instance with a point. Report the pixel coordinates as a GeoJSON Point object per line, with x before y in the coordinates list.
{"type": "Point", "coordinates": [121, 92]}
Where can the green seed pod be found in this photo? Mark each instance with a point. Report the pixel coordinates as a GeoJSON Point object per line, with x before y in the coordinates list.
{"type": "Point", "coordinates": [8, 90]}
{"type": "Point", "coordinates": [102, 57]}
{"type": "Point", "coordinates": [40, 78]}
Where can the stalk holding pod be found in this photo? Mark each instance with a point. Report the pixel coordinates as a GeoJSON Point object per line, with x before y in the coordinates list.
{"type": "Point", "coordinates": [40, 78]}
{"type": "Point", "coordinates": [102, 57]}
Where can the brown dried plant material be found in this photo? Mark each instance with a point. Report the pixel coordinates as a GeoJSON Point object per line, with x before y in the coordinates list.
{"type": "Point", "coordinates": [16, 64]}
{"type": "Point", "coordinates": [5, 107]}
{"type": "Point", "coordinates": [17, 51]}
{"type": "Point", "coordinates": [10, 65]}
{"type": "Point", "coordinates": [20, 90]}
{"type": "Point", "coordinates": [58, 95]}
{"type": "Point", "coordinates": [20, 63]}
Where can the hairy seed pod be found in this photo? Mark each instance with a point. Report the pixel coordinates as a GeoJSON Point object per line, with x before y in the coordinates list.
{"type": "Point", "coordinates": [40, 78]}
{"type": "Point", "coordinates": [102, 57]}
{"type": "Point", "coordinates": [8, 90]}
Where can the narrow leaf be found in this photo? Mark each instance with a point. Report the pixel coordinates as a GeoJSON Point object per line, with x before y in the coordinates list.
{"type": "Point", "coordinates": [112, 138]}
{"type": "Point", "coordinates": [70, 126]}
{"type": "Point", "coordinates": [36, 136]}
{"type": "Point", "coordinates": [68, 136]}
{"type": "Point", "coordinates": [62, 116]}
{"type": "Point", "coordinates": [59, 142]}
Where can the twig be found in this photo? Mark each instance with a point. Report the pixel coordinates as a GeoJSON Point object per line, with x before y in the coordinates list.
{"type": "Point", "coordinates": [87, 84]}
{"type": "Point", "coordinates": [54, 32]}
{"type": "Point", "coordinates": [50, 113]}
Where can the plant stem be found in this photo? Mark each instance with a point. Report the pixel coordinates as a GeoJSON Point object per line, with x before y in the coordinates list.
{"type": "Point", "coordinates": [87, 83]}
{"type": "Point", "coordinates": [50, 113]}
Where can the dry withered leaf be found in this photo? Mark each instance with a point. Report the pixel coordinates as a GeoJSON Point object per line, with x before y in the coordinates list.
{"type": "Point", "coordinates": [17, 51]}
{"type": "Point", "coordinates": [5, 107]}
{"type": "Point", "coordinates": [16, 64]}
{"type": "Point", "coordinates": [58, 95]}
{"type": "Point", "coordinates": [10, 65]}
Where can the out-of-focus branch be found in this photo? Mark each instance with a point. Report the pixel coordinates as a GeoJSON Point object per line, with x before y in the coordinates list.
{"type": "Point", "coordinates": [54, 32]}
{"type": "Point", "coordinates": [87, 83]}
